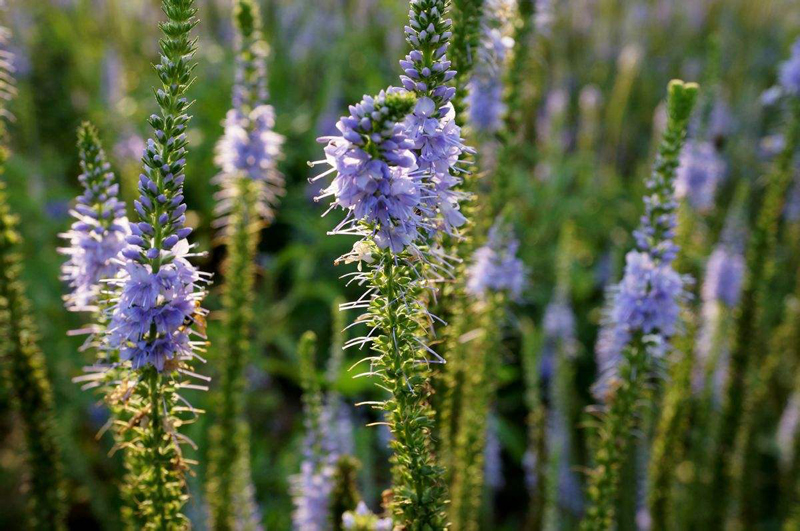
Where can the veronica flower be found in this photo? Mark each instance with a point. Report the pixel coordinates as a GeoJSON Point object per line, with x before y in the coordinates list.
{"type": "Point", "coordinates": [495, 266]}
{"type": "Point", "coordinates": [789, 74]}
{"type": "Point", "coordinates": [383, 192]}
{"type": "Point", "coordinates": [436, 139]}
{"type": "Point", "coordinates": [642, 315]}
{"type": "Point", "coordinates": [376, 184]}
{"type": "Point", "coordinates": [98, 234]}
{"type": "Point", "coordinates": [700, 171]}
{"type": "Point", "coordinates": [485, 89]}
{"type": "Point", "coordinates": [312, 487]}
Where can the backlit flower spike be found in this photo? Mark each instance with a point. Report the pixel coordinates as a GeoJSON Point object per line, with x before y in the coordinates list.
{"type": "Point", "coordinates": [312, 487]}
{"type": "Point", "coordinates": [436, 138]}
{"type": "Point", "coordinates": [495, 266]}
{"type": "Point", "coordinates": [642, 315]}
{"type": "Point", "coordinates": [700, 172]}
{"type": "Point", "coordinates": [97, 236]}
{"type": "Point", "coordinates": [485, 89]}
{"type": "Point", "coordinates": [374, 167]}
{"type": "Point", "coordinates": [249, 147]}
{"type": "Point", "coordinates": [159, 305]}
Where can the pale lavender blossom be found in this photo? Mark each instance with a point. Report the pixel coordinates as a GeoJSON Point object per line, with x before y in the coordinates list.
{"type": "Point", "coordinates": [492, 455]}
{"type": "Point", "coordinates": [250, 148]}
{"type": "Point", "coordinates": [362, 518]}
{"type": "Point", "coordinates": [700, 171]}
{"type": "Point", "coordinates": [495, 266]}
{"type": "Point", "coordinates": [789, 430]}
{"type": "Point", "coordinates": [97, 236]}
{"type": "Point", "coordinates": [311, 492]}
{"type": "Point", "coordinates": [375, 179]}
{"type": "Point", "coordinates": [485, 89]}
{"type": "Point", "coordinates": [789, 75]}
{"type": "Point", "coordinates": [724, 274]}
{"type": "Point", "coordinates": [159, 289]}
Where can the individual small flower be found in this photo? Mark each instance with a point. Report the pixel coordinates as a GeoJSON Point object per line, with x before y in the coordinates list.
{"type": "Point", "coordinates": [724, 275]}
{"type": "Point", "coordinates": [495, 266]}
{"type": "Point", "coordinates": [98, 234]}
{"type": "Point", "coordinates": [789, 75]}
{"type": "Point", "coordinates": [700, 171]}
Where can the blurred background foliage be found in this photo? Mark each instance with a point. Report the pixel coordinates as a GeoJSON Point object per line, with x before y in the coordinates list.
{"type": "Point", "coordinates": [592, 88]}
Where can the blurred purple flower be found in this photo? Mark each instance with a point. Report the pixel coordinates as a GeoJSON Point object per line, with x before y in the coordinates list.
{"type": "Point", "coordinates": [700, 171]}
{"type": "Point", "coordinates": [495, 266]}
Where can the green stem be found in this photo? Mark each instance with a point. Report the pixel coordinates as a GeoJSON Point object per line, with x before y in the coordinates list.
{"type": "Point", "coordinates": [748, 341]}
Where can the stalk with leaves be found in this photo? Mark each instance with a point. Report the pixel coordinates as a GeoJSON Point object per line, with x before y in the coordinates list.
{"type": "Point", "coordinates": [642, 317]}
{"type": "Point", "coordinates": [387, 199]}
{"type": "Point", "coordinates": [747, 353]}
{"type": "Point", "coordinates": [249, 188]}
{"type": "Point", "coordinates": [155, 325]}
{"type": "Point", "coordinates": [24, 366]}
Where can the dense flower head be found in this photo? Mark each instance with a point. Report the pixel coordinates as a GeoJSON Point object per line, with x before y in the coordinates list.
{"type": "Point", "coordinates": [700, 171]}
{"type": "Point", "coordinates": [495, 266]}
{"type": "Point", "coordinates": [250, 148]}
{"type": "Point", "coordinates": [160, 290]}
{"type": "Point", "coordinates": [657, 231]}
{"type": "Point", "coordinates": [790, 71]}
{"type": "Point", "coordinates": [647, 299]}
{"type": "Point", "coordinates": [436, 138]}
{"type": "Point", "coordinates": [724, 275]}
{"type": "Point", "coordinates": [98, 234]}
{"type": "Point", "coordinates": [559, 320]}
{"type": "Point", "coordinates": [375, 180]}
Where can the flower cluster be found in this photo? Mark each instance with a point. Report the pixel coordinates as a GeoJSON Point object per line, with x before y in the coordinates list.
{"type": "Point", "coordinates": [790, 71]}
{"type": "Point", "coordinates": [250, 148]}
{"type": "Point", "coordinates": [160, 289]}
{"type": "Point", "coordinates": [724, 275]}
{"type": "Point", "coordinates": [98, 234]}
{"type": "Point", "coordinates": [698, 175]}
{"type": "Point", "coordinates": [375, 180]}
{"type": "Point", "coordinates": [431, 128]}
{"type": "Point", "coordinates": [495, 266]}
{"type": "Point", "coordinates": [485, 88]}
{"type": "Point", "coordinates": [647, 300]}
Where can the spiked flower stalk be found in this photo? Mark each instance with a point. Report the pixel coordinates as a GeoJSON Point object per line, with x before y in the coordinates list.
{"type": "Point", "coordinates": [467, 15]}
{"type": "Point", "coordinates": [23, 364]}
{"type": "Point", "coordinates": [495, 276]}
{"type": "Point", "coordinates": [643, 316]}
{"type": "Point", "coordinates": [386, 200]}
{"type": "Point", "coordinates": [96, 239]}
{"type": "Point", "coordinates": [157, 308]}
{"type": "Point", "coordinates": [312, 487]}
{"type": "Point", "coordinates": [249, 189]}
{"type": "Point", "coordinates": [98, 234]}
{"type": "Point", "coordinates": [746, 353]}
